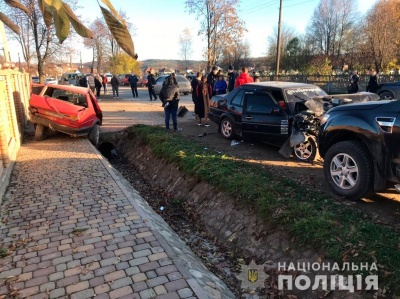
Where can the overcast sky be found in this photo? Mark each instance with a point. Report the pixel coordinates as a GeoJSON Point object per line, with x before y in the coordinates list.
{"type": "Point", "coordinates": [160, 22]}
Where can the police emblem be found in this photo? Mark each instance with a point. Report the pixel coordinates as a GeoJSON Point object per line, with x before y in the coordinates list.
{"type": "Point", "coordinates": [252, 276]}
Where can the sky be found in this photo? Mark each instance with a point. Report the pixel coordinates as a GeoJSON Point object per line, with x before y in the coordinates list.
{"type": "Point", "coordinates": [160, 22]}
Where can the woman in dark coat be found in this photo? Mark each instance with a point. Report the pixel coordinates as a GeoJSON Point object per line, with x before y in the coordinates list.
{"type": "Point", "coordinates": [373, 84]}
{"type": "Point", "coordinates": [98, 84]}
{"type": "Point", "coordinates": [195, 82]}
{"type": "Point", "coordinates": [203, 93]}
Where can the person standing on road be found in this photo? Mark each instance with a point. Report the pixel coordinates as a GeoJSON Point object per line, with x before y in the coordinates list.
{"type": "Point", "coordinates": [212, 78]}
{"type": "Point", "coordinates": [151, 81]}
{"type": "Point", "coordinates": [105, 81]}
{"type": "Point", "coordinates": [169, 95]}
{"type": "Point", "coordinates": [373, 81]}
{"type": "Point", "coordinates": [98, 83]}
{"type": "Point", "coordinates": [133, 81]}
{"type": "Point", "coordinates": [195, 82]}
{"type": "Point", "coordinates": [232, 75]}
{"type": "Point", "coordinates": [114, 86]}
{"type": "Point", "coordinates": [220, 86]}
{"type": "Point", "coordinates": [353, 83]}
{"type": "Point", "coordinates": [203, 93]}
{"type": "Point", "coordinates": [90, 81]}
{"type": "Point", "coordinates": [243, 78]}
{"type": "Point", "coordinates": [83, 82]}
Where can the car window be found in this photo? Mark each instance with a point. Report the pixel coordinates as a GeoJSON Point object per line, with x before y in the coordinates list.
{"type": "Point", "coordinates": [68, 96]}
{"type": "Point", "coordinates": [238, 99]}
{"type": "Point", "coordinates": [181, 79]}
{"type": "Point", "coordinates": [160, 80]}
{"type": "Point", "coordinates": [259, 103]}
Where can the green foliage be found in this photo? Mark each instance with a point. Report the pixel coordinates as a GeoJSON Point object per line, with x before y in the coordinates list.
{"type": "Point", "coordinates": [312, 217]}
{"type": "Point", "coordinates": [320, 66]}
{"type": "Point", "coordinates": [124, 64]}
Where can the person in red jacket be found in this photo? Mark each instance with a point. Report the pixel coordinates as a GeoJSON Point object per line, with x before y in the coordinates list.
{"type": "Point", "coordinates": [243, 78]}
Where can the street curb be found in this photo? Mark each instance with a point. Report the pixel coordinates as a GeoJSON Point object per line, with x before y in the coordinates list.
{"type": "Point", "coordinates": [176, 253]}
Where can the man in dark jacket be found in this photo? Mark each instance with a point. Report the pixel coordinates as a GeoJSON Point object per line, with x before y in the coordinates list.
{"type": "Point", "coordinates": [232, 75]}
{"type": "Point", "coordinates": [373, 82]}
{"type": "Point", "coordinates": [115, 86]}
{"type": "Point", "coordinates": [83, 82]}
{"type": "Point", "coordinates": [353, 83]}
{"type": "Point", "coordinates": [151, 81]}
{"type": "Point", "coordinates": [133, 81]}
{"type": "Point", "coordinates": [212, 78]}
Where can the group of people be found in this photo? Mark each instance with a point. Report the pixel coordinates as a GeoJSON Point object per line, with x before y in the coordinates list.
{"type": "Point", "coordinates": [372, 85]}
{"type": "Point", "coordinates": [98, 81]}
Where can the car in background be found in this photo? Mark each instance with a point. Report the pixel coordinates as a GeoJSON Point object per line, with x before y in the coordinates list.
{"type": "Point", "coordinates": [123, 79]}
{"type": "Point", "coordinates": [35, 79]}
{"type": "Point", "coordinates": [71, 79]}
{"type": "Point", "coordinates": [109, 77]}
{"type": "Point", "coordinates": [50, 80]}
{"type": "Point", "coordinates": [191, 77]}
{"type": "Point", "coordinates": [68, 109]}
{"type": "Point", "coordinates": [143, 81]}
{"type": "Point", "coordinates": [183, 83]}
{"type": "Point", "coordinates": [389, 90]}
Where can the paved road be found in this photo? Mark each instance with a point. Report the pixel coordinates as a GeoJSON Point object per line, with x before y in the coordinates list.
{"type": "Point", "coordinates": [71, 229]}
{"type": "Point", "coordinates": [126, 110]}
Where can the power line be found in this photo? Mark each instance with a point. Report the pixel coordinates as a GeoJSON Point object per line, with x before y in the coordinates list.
{"type": "Point", "coordinates": [258, 8]}
{"type": "Point", "coordinates": [298, 3]}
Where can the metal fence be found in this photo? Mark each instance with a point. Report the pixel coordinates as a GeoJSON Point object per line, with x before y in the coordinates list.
{"type": "Point", "coordinates": [332, 84]}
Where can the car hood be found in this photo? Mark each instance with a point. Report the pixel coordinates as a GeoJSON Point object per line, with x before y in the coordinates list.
{"type": "Point", "coordinates": [360, 106]}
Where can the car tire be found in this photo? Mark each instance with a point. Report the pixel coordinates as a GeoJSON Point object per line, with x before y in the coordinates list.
{"type": "Point", "coordinates": [94, 135]}
{"type": "Point", "coordinates": [348, 169]}
{"type": "Point", "coordinates": [227, 128]}
{"type": "Point", "coordinates": [39, 132]}
{"type": "Point", "coordinates": [305, 151]}
{"type": "Point", "coordinates": [386, 95]}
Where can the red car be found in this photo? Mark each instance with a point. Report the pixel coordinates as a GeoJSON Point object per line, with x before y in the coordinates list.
{"type": "Point", "coordinates": [68, 109]}
{"type": "Point", "coordinates": [143, 81]}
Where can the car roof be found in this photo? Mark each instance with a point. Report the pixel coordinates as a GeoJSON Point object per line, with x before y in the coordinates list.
{"type": "Point", "coordinates": [277, 84]}
{"type": "Point", "coordinates": [76, 89]}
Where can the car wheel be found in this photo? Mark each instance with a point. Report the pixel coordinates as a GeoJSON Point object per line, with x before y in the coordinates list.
{"type": "Point", "coordinates": [387, 95]}
{"type": "Point", "coordinates": [348, 169]}
{"type": "Point", "coordinates": [39, 132]}
{"type": "Point", "coordinates": [306, 151]}
{"type": "Point", "coordinates": [227, 128]}
{"type": "Point", "coordinates": [94, 135]}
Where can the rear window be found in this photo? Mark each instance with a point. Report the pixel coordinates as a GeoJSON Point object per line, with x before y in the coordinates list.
{"type": "Point", "coordinates": [67, 96]}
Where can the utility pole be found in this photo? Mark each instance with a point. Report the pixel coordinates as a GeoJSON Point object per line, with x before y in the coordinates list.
{"type": "Point", "coordinates": [278, 46]}
{"type": "Point", "coordinates": [19, 62]}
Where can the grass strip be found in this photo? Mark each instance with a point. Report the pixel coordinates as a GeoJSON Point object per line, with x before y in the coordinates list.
{"type": "Point", "coordinates": [311, 217]}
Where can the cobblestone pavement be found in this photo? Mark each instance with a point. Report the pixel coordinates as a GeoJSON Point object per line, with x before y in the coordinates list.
{"type": "Point", "coordinates": [69, 231]}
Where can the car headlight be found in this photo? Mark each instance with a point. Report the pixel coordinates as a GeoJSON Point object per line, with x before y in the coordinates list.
{"type": "Point", "coordinates": [324, 118]}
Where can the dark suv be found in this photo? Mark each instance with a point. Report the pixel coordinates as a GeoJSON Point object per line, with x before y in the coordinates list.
{"type": "Point", "coordinates": [361, 147]}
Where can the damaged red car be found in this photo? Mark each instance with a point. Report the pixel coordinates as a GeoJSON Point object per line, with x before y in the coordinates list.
{"type": "Point", "coordinates": [68, 109]}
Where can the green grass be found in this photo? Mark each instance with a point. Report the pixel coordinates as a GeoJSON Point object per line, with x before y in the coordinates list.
{"type": "Point", "coordinates": [312, 218]}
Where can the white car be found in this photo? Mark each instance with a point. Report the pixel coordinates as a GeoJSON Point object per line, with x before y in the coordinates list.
{"type": "Point", "coordinates": [50, 81]}
{"type": "Point", "coordinates": [109, 77]}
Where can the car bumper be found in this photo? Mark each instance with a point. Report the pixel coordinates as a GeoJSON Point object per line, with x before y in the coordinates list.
{"type": "Point", "coordinates": [74, 132]}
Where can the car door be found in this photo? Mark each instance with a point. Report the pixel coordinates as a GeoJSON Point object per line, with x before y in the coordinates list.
{"type": "Point", "coordinates": [235, 107]}
{"type": "Point", "coordinates": [263, 119]}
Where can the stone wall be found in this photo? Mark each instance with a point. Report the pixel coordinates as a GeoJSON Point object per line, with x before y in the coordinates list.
{"type": "Point", "coordinates": [14, 102]}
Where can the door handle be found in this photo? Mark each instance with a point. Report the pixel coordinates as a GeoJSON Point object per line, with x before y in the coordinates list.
{"type": "Point", "coordinates": [249, 117]}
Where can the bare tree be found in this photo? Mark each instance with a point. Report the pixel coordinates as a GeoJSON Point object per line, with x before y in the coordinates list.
{"type": "Point", "coordinates": [185, 46]}
{"type": "Point", "coordinates": [288, 33]}
{"type": "Point", "coordinates": [220, 25]}
{"type": "Point", "coordinates": [99, 43]}
{"type": "Point", "coordinates": [331, 25]}
{"type": "Point", "coordinates": [382, 32]}
{"type": "Point", "coordinates": [236, 55]}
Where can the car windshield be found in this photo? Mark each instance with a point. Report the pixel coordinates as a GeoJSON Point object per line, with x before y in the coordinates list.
{"type": "Point", "coordinates": [302, 94]}
{"type": "Point", "coordinates": [68, 96]}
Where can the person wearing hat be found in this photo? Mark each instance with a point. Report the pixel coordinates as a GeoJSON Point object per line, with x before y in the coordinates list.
{"type": "Point", "coordinates": [212, 78]}
{"type": "Point", "coordinates": [232, 75]}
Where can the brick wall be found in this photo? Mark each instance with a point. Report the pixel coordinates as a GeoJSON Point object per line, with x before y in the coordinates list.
{"type": "Point", "coordinates": [14, 102]}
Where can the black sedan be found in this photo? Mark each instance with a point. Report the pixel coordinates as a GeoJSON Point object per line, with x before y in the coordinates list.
{"type": "Point", "coordinates": [389, 90]}
{"type": "Point", "coordinates": [263, 112]}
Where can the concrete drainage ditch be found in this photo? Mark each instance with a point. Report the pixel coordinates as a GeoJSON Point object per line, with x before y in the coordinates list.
{"type": "Point", "coordinates": [222, 232]}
